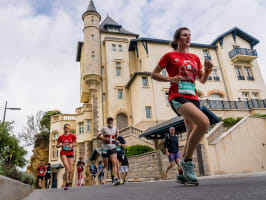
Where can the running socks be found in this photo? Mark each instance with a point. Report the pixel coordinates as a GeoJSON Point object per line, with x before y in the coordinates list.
{"type": "Point", "coordinates": [81, 180]}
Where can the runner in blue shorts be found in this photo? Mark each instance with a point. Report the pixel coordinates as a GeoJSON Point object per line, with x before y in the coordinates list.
{"type": "Point", "coordinates": [172, 151]}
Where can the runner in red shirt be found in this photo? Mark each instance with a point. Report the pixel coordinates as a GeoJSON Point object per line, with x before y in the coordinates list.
{"type": "Point", "coordinates": [183, 68]}
{"type": "Point", "coordinates": [67, 142]}
{"type": "Point", "coordinates": [41, 170]}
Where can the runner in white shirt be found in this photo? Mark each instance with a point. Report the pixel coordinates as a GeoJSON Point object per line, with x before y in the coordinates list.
{"type": "Point", "coordinates": [107, 135]}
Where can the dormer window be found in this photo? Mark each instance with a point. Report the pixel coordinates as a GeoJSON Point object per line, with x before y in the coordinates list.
{"type": "Point", "coordinates": [112, 29]}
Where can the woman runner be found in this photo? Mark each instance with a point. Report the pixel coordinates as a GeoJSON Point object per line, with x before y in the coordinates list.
{"type": "Point", "coordinates": [183, 68]}
{"type": "Point", "coordinates": [67, 142]}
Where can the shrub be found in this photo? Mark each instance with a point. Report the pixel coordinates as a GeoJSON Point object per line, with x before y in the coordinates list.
{"type": "Point", "coordinates": [14, 173]}
{"type": "Point", "coordinates": [229, 122]}
{"type": "Point", "coordinates": [137, 149]}
{"type": "Point", "coordinates": [259, 115]}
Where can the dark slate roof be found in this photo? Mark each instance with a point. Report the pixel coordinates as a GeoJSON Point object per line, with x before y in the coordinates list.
{"type": "Point", "coordinates": [253, 41]}
{"type": "Point", "coordinates": [133, 43]}
{"type": "Point", "coordinates": [91, 8]}
{"type": "Point", "coordinates": [56, 166]}
{"type": "Point", "coordinates": [134, 76]}
{"type": "Point", "coordinates": [108, 21]}
{"type": "Point", "coordinates": [159, 131]}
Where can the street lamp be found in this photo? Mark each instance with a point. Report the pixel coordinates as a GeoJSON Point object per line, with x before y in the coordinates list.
{"type": "Point", "coordinates": [6, 108]}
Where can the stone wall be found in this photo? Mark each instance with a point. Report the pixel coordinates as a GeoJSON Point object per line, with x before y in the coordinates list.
{"type": "Point", "coordinates": [149, 166]}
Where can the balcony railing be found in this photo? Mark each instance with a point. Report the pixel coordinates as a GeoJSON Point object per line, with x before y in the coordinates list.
{"type": "Point", "coordinates": [208, 57]}
{"type": "Point", "coordinates": [234, 105]}
{"type": "Point", "coordinates": [250, 78]}
{"type": "Point", "coordinates": [216, 78]}
{"type": "Point", "coordinates": [63, 117]}
{"type": "Point", "coordinates": [243, 54]}
{"type": "Point", "coordinates": [240, 77]}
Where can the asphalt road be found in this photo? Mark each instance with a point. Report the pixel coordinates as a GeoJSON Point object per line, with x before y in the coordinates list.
{"type": "Point", "coordinates": [235, 187]}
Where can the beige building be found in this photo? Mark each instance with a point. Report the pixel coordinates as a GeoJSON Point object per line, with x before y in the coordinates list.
{"type": "Point", "coordinates": [115, 80]}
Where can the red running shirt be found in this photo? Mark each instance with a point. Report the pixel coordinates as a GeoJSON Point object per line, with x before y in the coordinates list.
{"type": "Point", "coordinates": [41, 170]}
{"type": "Point", "coordinates": [186, 65]}
{"type": "Point", "coordinates": [66, 140]}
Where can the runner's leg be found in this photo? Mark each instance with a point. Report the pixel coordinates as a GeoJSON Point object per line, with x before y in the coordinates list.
{"type": "Point", "coordinates": [189, 127]}
{"type": "Point", "coordinates": [66, 165]}
{"type": "Point", "coordinates": [113, 158]}
{"type": "Point", "coordinates": [172, 164]}
{"type": "Point", "coordinates": [70, 164]}
{"type": "Point", "coordinates": [200, 126]}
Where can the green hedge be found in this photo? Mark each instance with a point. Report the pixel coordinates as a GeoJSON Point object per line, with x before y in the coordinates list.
{"type": "Point", "coordinates": [137, 149]}
{"type": "Point", "coordinates": [229, 122]}
{"type": "Point", "coordinates": [259, 115]}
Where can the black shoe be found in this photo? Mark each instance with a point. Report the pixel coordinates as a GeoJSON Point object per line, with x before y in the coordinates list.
{"type": "Point", "coordinates": [116, 182]}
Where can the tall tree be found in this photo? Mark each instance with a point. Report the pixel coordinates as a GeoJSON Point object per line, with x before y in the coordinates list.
{"type": "Point", "coordinates": [11, 153]}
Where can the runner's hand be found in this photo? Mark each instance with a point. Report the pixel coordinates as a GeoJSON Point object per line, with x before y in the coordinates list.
{"type": "Point", "coordinates": [208, 65]}
{"type": "Point", "coordinates": [176, 79]}
{"type": "Point", "coordinates": [167, 153]}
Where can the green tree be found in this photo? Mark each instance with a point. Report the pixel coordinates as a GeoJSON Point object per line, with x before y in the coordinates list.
{"type": "Point", "coordinates": [11, 153]}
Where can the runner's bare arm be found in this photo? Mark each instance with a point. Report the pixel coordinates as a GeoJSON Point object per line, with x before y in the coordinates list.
{"type": "Point", "coordinates": [75, 143]}
{"type": "Point", "coordinates": [158, 77]}
{"type": "Point", "coordinates": [100, 136]}
{"type": "Point", "coordinates": [58, 145]}
{"type": "Point", "coordinates": [203, 76]}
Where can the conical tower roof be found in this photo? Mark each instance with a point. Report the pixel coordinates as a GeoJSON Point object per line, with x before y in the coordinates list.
{"type": "Point", "coordinates": [91, 8]}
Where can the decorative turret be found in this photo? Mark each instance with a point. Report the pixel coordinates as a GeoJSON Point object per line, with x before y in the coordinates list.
{"type": "Point", "coordinates": [91, 72]}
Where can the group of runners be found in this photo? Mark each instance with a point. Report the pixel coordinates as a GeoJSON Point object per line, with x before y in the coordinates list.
{"type": "Point", "coordinates": [44, 172]}
{"type": "Point", "coordinates": [183, 69]}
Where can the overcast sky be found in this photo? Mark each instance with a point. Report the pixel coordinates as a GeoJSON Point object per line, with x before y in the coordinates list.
{"type": "Point", "coordinates": [38, 41]}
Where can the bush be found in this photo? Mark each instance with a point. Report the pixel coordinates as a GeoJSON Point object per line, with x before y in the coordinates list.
{"type": "Point", "coordinates": [137, 149]}
{"type": "Point", "coordinates": [229, 122]}
{"type": "Point", "coordinates": [259, 115]}
{"type": "Point", "coordinates": [14, 173]}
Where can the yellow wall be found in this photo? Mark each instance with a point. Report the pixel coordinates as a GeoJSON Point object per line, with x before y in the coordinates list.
{"type": "Point", "coordinates": [241, 149]}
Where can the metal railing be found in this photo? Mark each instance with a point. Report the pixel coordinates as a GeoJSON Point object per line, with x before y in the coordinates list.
{"type": "Point", "coordinates": [234, 105]}
{"type": "Point", "coordinates": [242, 51]}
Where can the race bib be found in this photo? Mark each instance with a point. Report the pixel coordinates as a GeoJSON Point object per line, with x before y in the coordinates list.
{"type": "Point", "coordinates": [41, 171]}
{"type": "Point", "coordinates": [118, 148]}
{"type": "Point", "coordinates": [66, 148]}
{"type": "Point", "coordinates": [186, 88]}
{"type": "Point", "coordinates": [48, 171]}
{"type": "Point", "coordinates": [104, 151]}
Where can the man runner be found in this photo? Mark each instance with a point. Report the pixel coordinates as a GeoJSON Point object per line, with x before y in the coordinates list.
{"type": "Point", "coordinates": [93, 170]}
{"type": "Point", "coordinates": [48, 176]}
{"type": "Point", "coordinates": [172, 151]}
{"type": "Point", "coordinates": [124, 168]}
{"type": "Point", "coordinates": [120, 145]}
{"type": "Point", "coordinates": [107, 135]}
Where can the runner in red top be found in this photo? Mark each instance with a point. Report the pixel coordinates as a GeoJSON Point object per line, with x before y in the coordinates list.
{"type": "Point", "coordinates": [67, 142]}
{"type": "Point", "coordinates": [183, 68]}
{"type": "Point", "coordinates": [41, 170]}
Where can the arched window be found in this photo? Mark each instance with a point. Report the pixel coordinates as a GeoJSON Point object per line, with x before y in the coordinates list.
{"type": "Point", "coordinates": [121, 121]}
{"type": "Point", "coordinates": [216, 96]}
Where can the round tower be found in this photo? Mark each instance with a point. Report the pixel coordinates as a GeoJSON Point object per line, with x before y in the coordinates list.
{"type": "Point", "coordinates": [92, 53]}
